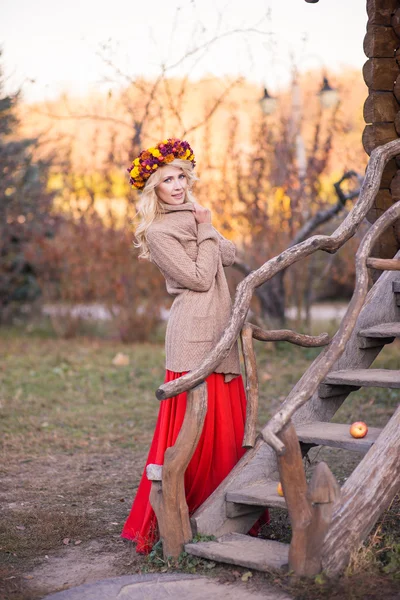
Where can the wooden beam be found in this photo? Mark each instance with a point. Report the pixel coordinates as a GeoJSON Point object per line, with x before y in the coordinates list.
{"type": "Point", "coordinates": [378, 476]}
{"type": "Point", "coordinates": [168, 498]}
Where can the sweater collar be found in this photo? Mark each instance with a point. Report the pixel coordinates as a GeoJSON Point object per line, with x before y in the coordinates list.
{"type": "Point", "coordinates": [167, 208]}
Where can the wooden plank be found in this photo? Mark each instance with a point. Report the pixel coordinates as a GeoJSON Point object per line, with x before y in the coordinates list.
{"type": "Point", "coordinates": [378, 476]}
{"type": "Point", "coordinates": [260, 494]}
{"type": "Point", "coordinates": [365, 378]}
{"type": "Point", "coordinates": [243, 550]}
{"type": "Point", "coordinates": [380, 73]}
{"type": "Point", "coordinates": [384, 330]}
{"type": "Point", "coordinates": [336, 435]}
{"type": "Point", "coordinates": [380, 107]}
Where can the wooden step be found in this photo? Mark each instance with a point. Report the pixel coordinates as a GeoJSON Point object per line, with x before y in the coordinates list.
{"type": "Point", "coordinates": [259, 494]}
{"type": "Point", "coordinates": [388, 378]}
{"type": "Point", "coordinates": [336, 435]}
{"type": "Point", "coordinates": [243, 550]}
{"type": "Point", "coordinates": [379, 335]}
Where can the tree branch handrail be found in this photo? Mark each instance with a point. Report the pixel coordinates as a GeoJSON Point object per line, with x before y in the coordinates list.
{"type": "Point", "coordinates": [379, 157]}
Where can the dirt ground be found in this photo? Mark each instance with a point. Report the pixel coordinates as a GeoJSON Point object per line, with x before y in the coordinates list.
{"type": "Point", "coordinates": [70, 469]}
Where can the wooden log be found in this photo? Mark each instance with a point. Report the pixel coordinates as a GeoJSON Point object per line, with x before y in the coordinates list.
{"type": "Point", "coordinates": [395, 22]}
{"type": "Point", "coordinates": [380, 42]}
{"type": "Point", "coordinates": [324, 495]}
{"type": "Point", "coordinates": [168, 498]}
{"type": "Point", "coordinates": [380, 11]}
{"type": "Point", "coordinates": [396, 88]}
{"type": "Point", "coordinates": [380, 73]}
{"type": "Point", "coordinates": [378, 135]}
{"type": "Point", "coordinates": [294, 484]}
{"type": "Point", "coordinates": [397, 123]}
{"type": "Point", "coordinates": [384, 264]}
{"type": "Point", "coordinates": [250, 365]}
{"type": "Point", "coordinates": [383, 200]}
{"type": "Point", "coordinates": [395, 187]}
{"type": "Point", "coordinates": [378, 475]}
{"type": "Point", "coordinates": [310, 509]}
{"type": "Point", "coordinates": [388, 174]}
{"type": "Point", "coordinates": [380, 107]}
{"type": "Point", "coordinates": [379, 157]}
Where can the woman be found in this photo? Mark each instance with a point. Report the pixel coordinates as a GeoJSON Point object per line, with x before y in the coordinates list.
{"type": "Point", "coordinates": [176, 234]}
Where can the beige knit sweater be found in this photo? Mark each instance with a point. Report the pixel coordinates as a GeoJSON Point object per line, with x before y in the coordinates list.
{"type": "Point", "coordinates": [191, 256]}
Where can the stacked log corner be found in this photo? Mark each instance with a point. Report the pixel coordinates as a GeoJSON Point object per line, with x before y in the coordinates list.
{"type": "Point", "coordinates": [382, 108]}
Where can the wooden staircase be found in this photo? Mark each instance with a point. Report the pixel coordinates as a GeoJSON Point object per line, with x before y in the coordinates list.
{"type": "Point", "coordinates": [327, 522]}
{"type": "Point", "coordinates": [252, 486]}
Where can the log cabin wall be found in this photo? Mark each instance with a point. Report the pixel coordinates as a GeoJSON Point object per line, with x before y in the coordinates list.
{"type": "Point", "coordinates": [382, 107]}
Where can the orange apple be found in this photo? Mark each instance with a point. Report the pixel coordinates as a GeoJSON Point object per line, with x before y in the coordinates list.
{"type": "Point", "coordinates": [359, 429]}
{"type": "Point", "coordinates": [279, 489]}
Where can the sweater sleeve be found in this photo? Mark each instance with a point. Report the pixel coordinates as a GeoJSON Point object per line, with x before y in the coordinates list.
{"type": "Point", "coordinates": [169, 255]}
{"type": "Point", "coordinates": [227, 249]}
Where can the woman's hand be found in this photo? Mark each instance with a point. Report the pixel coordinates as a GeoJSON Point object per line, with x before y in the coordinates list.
{"type": "Point", "coordinates": [201, 214]}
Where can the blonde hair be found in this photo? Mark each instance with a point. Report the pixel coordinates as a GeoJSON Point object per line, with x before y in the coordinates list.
{"type": "Point", "coordinates": [149, 207]}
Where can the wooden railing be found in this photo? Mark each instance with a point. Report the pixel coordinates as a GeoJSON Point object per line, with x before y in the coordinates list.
{"type": "Point", "coordinates": [310, 518]}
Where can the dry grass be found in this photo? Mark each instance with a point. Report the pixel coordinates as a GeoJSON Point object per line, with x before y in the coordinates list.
{"type": "Point", "coordinates": [75, 434]}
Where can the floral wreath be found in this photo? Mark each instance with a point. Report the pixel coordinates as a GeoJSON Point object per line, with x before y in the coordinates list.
{"type": "Point", "coordinates": [163, 153]}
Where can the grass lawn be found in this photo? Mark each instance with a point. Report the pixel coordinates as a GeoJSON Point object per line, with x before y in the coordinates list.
{"type": "Point", "coordinates": [75, 432]}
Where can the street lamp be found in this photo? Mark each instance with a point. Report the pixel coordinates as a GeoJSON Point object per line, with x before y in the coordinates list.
{"type": "Point", "coordinates": [329, 96]}
{"type": "Point", "coordinates": [268, 103]}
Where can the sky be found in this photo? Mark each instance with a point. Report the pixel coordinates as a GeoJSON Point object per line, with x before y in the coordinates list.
{"type": "Point", "coordinates": [50, 48]}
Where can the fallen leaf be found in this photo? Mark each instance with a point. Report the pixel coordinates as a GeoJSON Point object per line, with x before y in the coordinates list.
{"type": "Point", "coordinates": [20, 527]}
{"type": "Point", "coordinates": [66, 541]}
{"type": "Point", "coordinates": [122, 499]}
{"type": "Point", "coordinates": [266, 376]}
{"type": "Point", "coordinates": [77, 542]}
{"type": "Point", "coordinates": [120, 359]}
{"type": "Point", "coordinates": [246, 576]}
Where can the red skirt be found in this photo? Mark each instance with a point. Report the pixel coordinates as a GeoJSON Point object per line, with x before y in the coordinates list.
{"type": "Point", "coordinates": [218, 451]}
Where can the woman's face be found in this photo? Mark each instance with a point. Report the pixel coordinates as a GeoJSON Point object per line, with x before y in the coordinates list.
{"type": "Point", "coordinates": [172, 186]}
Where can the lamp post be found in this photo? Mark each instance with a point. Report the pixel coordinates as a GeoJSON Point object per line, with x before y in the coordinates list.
{"type": "Point", "coordinates": [329, 98]}
{"type": "Point", "coordinates": [268, 103]}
